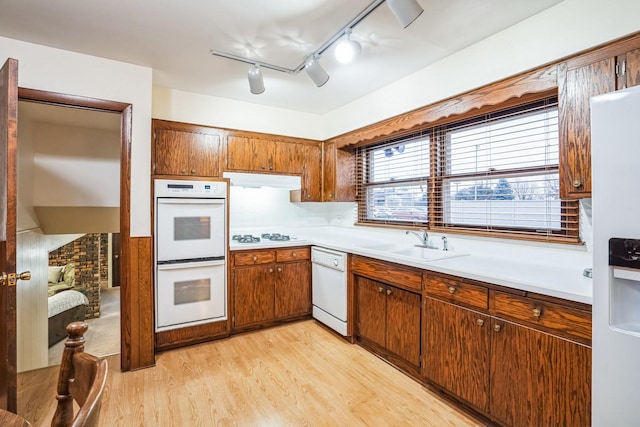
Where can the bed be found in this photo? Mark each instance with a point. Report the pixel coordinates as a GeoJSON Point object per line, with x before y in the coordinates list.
{"type": "Point", "coordinates": [66, 303]}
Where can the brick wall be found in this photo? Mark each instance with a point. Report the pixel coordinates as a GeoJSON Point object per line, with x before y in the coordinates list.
{"type": "Point", "coordinates": [104, 257]}
{"type": "Point", "coordinates": [85, 254]}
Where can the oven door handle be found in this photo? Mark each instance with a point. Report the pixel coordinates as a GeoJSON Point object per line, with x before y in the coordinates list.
{"type": "Point", "coordinates": [184, 265]}
{"type": "Point", "coordinates": [168, 201]}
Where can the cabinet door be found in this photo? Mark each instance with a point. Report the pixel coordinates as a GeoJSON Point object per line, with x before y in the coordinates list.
{"type": "Point", "coordinates": [371, 310]}
{"type": "Point", "coordinates": [575, 91]}
{"type": "Point", "coordinates": [204, 154]}
{"type": "Point", "coordinates": [249, 154]}
{"type": "Point", "coordinates": [293, 289]}
{"type": "Point", "coordinates": [632, 68]}
{"type": "Point", "coordinates": [288, 157]}
{"type": "Point", "coordinates": [403, 324]}
{"type": "Point", "coordinates": [312, 174]}
{"type": "Point", "coordinates": [254, 295]}
{"type": "Point", "coordinates": [329, 172]}
{"type": "Point", "coordinates": [172, 152]}
{"type": "Point", "coordinates": [456, 351]}
{"type": "Point", "coordinates": [537, 379]}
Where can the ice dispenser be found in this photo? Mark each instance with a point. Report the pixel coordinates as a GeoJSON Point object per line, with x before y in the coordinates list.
{"type": "Point", "coordinates": [624, 285]}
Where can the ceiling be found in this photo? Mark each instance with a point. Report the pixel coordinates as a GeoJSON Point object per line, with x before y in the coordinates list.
{"type": "Point", "coordinates": [175, 38]}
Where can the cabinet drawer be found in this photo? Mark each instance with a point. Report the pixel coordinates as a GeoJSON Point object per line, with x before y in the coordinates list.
{"type": "Point", "coordinates": [387, 273]}
{"type": "Point", "coordinates": [563, 320]}
{"type": "Point", "coordinates": [253, 258]}
{"type": "Point", "coordinates": [294, 254]}
{"type": "Point", "coordinates": [457, 291]}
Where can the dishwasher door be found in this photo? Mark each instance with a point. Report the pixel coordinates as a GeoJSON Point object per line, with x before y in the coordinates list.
{"type": "Point", "coordinates": [329, 288]}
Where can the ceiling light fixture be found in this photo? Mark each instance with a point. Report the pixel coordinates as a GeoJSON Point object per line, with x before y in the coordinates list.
{"type": "Point", "coordinates": [256, 82]}
{"type": "Point", "coordinates": [315, 71]}
{"type": "Point", "coordinates": [347, 49]}
{"type": "Point", "coordinates": [406, 11]}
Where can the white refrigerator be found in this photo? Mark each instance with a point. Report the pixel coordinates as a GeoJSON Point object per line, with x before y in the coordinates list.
{"type": "Point", "coordinates": [615, 154]}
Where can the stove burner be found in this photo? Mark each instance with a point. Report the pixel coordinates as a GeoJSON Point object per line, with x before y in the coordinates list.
{"type": "Point", "coordinates": [276, 237]}
{"type": "Point", "coordinates": [245, 238]}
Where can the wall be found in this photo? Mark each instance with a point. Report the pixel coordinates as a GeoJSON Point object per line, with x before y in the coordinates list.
{"type": "Point", "coordinates": [56, 70]}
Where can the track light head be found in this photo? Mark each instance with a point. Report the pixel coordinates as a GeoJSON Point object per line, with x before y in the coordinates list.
{"type": "Point", "coordinates": [315, 71]}
{"type": "Point", "coordinates": [347, 49]}
{"type": "Point", "coordinates": [405, 11]}
{"type": "Point", "coordinates": [256, 82]}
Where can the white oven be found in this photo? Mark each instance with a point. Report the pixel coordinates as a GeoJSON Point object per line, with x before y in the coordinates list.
{"type": "Point", "coordinates": [190, 253]}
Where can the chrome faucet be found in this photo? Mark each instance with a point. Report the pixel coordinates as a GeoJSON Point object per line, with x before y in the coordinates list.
{"type": "Point", "coordinates": [445, 244]}
{"type": "Point", "coordinates": [423, 236]}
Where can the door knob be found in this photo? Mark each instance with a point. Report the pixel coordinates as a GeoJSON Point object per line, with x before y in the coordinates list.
{"type": "Point", "coordinates": [11, 278]}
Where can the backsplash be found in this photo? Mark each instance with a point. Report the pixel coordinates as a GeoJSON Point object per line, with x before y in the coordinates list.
{"type": "Point", "coordinates": [270, 207]}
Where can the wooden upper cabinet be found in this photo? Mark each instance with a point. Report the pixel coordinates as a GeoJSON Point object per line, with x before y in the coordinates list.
{"type": "Point", "coordinates": [264, 155]}
{"type": "Point", "coordinates": [312, 174]}
{"type": "Point", "coordinates": [628, 69]}
{"type": "Point", "coordinates": [338, 177]}
{"type": "Point", "coordinates": [576, 85]}
{"type": "Point", "coordinates": [179, 151]}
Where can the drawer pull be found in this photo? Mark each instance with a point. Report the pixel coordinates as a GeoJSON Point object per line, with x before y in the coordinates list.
{"type": "Point", "coordinates": [193, 171]}
{"type": "Point", "coordinates": [279, 269]}
{"type": "Point", "coordinates": [255, 258]}
{"type": "Point", "coordinates": [293, 254]}
{"type": "Point", "coordinates": [537, 312]}
{"type": "Point", "coordinates": [388, 291]}
{"type": "Point", "coordinates": [480, 322]}
{"type": "Point", "coordinates": [496, 327]}
{"type": "Point", "coordinates": [380, 289]}
{"type": "Point", "coordinates": [452, 289]}
{"type": "Point", "coordinates": [577, 183]}
{"type": "Point", "coordinates": [183, 171]}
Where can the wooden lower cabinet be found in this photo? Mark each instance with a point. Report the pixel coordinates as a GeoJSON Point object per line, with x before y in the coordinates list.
{"type": "Point", "coordinates": [538, 379]}
{"type": "Point", "coordinates": [389, 317]}
{"type": "Point", "coordinates": [266, 290]}
{"type": "Point", "coordinates": [456, 351]}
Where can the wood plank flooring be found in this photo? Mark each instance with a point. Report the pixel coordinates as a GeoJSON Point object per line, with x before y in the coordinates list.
{"type": "Point", "coordinates": [298, 374]}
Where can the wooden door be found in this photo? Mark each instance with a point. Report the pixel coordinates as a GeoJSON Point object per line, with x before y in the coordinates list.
{"type": "Point", "coordinates": [293, 289]}
{"type": "Point", "coordinates": [463, 366]}
{"type": "Point", "coordinates": [403, 324]}
{"type": "Point", "coordinates": [254, 295]}
{"type": "Point", "coordinates": [8, 145]}
{"type": "Point", "coordinates": [204, 154]}
{"type": "Point", "coordinates": [115, 259]}
{"type": "Point", "coordinates": [575, 92]}
{"type": "Point", "coordinates": [371, 310]}
{"type": "Point", "coordinates": [288, 157]}
{"type": "Point", "coordinates": [172, 153]}
{"type": "Point", "coordinates": [312, 174]}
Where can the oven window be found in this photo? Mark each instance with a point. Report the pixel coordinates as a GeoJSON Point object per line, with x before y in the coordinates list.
{"type": "Point", "coordinates": [191, 228]}
{"type": "Point", "coordinates": [191, 291]}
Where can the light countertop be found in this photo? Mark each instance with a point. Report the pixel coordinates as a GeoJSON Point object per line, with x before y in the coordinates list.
{"type": "Point", "coordinates": [544, 270]}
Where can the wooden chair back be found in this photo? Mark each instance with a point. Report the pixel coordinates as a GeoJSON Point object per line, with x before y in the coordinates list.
{"type": "Point", "coordinates": [82, 378]}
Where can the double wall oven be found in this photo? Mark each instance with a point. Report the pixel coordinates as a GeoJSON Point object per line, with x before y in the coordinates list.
{"type": "Point", "coordinates": [190, 253]}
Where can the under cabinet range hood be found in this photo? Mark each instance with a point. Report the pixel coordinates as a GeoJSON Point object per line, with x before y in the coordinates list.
{"type": "Point", "coordinates": [262, 180]}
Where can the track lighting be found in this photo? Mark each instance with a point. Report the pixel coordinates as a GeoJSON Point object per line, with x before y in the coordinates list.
{"type": "Point", "coordinates": [347, 49]}
{"type": "Point", "coordinates": [256, 82]}
{"type": "Point", "coordinates": [405, 11]}
{"type": "Point", "coordinates": [315, 71]}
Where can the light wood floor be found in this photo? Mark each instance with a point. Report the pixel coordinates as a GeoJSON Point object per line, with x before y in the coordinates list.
{"type": "Point", "coordinates": [298, 374]}
{"type": "Point", "coordinates": [103, 335]}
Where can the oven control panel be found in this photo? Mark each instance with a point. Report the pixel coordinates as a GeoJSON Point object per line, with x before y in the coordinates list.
{"type": "Point", "coordinates": [184, 188]}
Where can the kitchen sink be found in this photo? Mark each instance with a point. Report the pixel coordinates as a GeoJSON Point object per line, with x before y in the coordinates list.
{"type": "Point", "coordinates": [426, 254]}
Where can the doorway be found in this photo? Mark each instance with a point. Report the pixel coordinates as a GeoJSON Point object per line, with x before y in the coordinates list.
{"type": "Point", "coordinates": [122, 114]}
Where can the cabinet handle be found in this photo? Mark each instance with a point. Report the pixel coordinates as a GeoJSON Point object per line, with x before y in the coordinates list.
{"type": "Point", "coordinates": [293, 254]}
{"type": "Point", "coordinates": [308, 196]}
{"type": "Point", "coordinates": [388, 291]}
{"type": "Point", "coordinates": [279, 269]}
{"type": "Point", "coordinates": [270, 168]}
{"type": "Point", "coordinates": [496, 327]}
{"type": "Point", "coordinates": [183, 171]}
{"type": "Point", "coordinates": [255, 258]}
{"type": "Point", "coordinates": [271, 270]}
{"type": "Point", "coordinates": [577, 183]}
{"type": "Point", "coordinates": [193, 171]}
{"type": "Point", "coordinates": [263, 167]}
{"type": "Point", "coordinates": [537, 312]}
{"type": "Point", "coordinates": [452, 289]}
{"type": "Point", "coordinates": [380, 289]}
{"type": "Point", "coordinates": [480, 322]}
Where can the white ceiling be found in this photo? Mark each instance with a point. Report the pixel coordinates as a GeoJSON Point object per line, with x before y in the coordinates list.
{"type": "Point", "coordinates": [175, 37]}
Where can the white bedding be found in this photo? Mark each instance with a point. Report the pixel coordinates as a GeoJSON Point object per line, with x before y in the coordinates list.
{"type": "Point", "coordinates": [63, 301]}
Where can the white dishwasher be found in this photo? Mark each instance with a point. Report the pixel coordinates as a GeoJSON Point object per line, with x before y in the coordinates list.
{"type": "Point", "coordinates": [329, 288]}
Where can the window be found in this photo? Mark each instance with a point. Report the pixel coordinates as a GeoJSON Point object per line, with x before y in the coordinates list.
{"type": "Point", "coordinates": [496, 173]}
